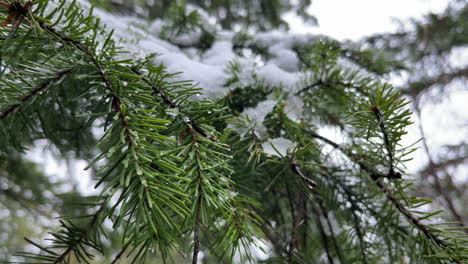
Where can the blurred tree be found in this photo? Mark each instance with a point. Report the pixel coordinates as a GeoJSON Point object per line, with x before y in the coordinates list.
{"type": "Point", "coordinates": [229, 14]}
{"type": "Point", "coordinates": [435, 50]}
{"type": "Point", "coordinates": [182, 177]}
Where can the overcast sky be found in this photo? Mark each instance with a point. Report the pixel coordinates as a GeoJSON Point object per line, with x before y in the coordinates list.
{"type": "Point", "coordinates": [352, 19]}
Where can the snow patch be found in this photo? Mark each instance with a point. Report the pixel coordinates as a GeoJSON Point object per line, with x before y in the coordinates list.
{"type": "Point", "coordinates": [278, 146]}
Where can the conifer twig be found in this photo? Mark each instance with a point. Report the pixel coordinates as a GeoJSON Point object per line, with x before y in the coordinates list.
{"type": "Point", "coordinates": [173, 104]}
{"type": "Point", "coordinates": [375, 175]}
{"type": "Point", "coordinates": [81, 237]}
{"type": "Point", "coordinates": [34, 92]}
{"type": "Point", "coordinates": [432, 165]}
{"type": "Point", "coordinates": [308, 87]}
{"type": "Point", "coordinates": [388, 147]}
{"type": "Point", "coordinates": [196, 238]}
{"type": "Point", "coordinates": [294, 226]}
{"type": "Point", "coordinates": [322, 234]}
{"type": "Point", "coordinates": [295, 168]}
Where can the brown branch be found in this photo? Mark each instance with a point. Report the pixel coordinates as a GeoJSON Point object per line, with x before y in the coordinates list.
{"type": "Point", "coordinates": [34, 92]}
{"type": "Point", "coordinates": [295, 168]}
{"type": "Point", "coordinates": [415, 89]}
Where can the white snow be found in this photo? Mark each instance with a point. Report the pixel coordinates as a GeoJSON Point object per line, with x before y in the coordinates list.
{"type": "Point", "coordinates": [257, 115]}
{"type": "Point", "coordinates": [278, 146]}
{"type": "Point", "coordinates": [275, 76]}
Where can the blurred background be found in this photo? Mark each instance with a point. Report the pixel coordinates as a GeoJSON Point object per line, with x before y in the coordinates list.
{"type": "Point", "coordinates": [420, 46]}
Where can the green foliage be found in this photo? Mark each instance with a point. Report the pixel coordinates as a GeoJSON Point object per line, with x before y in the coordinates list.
{"type": "Point", "coordinates": [430, 47]}
{"type": "Point", "coordinates": [175, 181]}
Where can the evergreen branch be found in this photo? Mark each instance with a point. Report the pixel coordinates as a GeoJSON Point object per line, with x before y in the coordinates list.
{"type": "Point", "coordinates": [74, 244]}
{"type": "Point", "coordinates": [323, 234]}
{"type": "Point", "coordinates": [356, 225]}
{"type": "Point", "coordinates": [295, 168]}
{"type": "Point", "coordinates": [166, 99]}
{"type": "Point", "coordinates": [116, 102]}
{"type": "Point", "coordinates": [378, 115]}
{"type": "Point", "coordinates": [199, 199]}
{"type": "Point", "coordinates": [166, 197]}
{"type": "Point", "coordinates": [308, 87]}
{"type": "Point", "coordinates": [375, 175]}
{"type": "Point", "coordinates": [310, 183]}
{"type": "Point", "coordinates": [294, 226]}
{"type": "Point", "coordinates": [57, 76]}
{"type": "Point", "coordinates": [92, 224]}
{"type": "Point", "coordinates": [324, 213]}
{"type": "Point", "coordinates": [432, 169]}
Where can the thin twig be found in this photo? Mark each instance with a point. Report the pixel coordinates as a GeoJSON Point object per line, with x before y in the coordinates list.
{"type": "Point", "coordinates": [330, 226]}
{"type": "Point", "coordinates": [166, 99]}
{"type": "Point", "coordinates": [33, 92]}
{"type": "Point", "coordinates": [308, 87]}
{"type": "Point", "coordinates": [91, 226]}
{"type": "Point", "coordinates": [388, 147]}
{"type": "Point", "coordinates": [322, 234]}
{"type": "Point", "coordinates": [395, 201]}
{"type": "Point", "coordinates": [432, 169]}
{"type": "Point", "coordinates": [356, 225]}
{"type": "Point", "coordinates": [296, 169]}
{"type": "Point", "coordinates": [294, 226]}
{"type": "Point", "coordinates": [120, 254]}
{"type": "Point", "coordinates": [196, 238]}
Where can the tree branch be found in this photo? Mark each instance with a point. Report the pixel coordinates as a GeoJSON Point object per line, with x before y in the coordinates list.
{"type": "Point", "coordinates": [433, 172]}
{"type": "Point", "coordinates": [388, 147]}
{"type": "Point", "coordinates": [57, 76]}
{"type": "Point", "coordinates": [166, 99]}
{"type": "Point", "coordinates": [375, 175]}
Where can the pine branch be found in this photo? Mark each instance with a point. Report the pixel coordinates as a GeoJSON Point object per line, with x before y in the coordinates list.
{"type": "Point", "coordinates": [199, 199]}
{"type": "Point", "coordinates": [357, 227]}
{"type": "Point", "coordinates": [116, 102]}
{"type": "Point", "coordinates": [73, 238]}
{"type": "Point", "coordinates": [294, 226]}
{"type": "Point", "coordinates": [166, 99]}
{"type": "Point", "coordinates": [323, 235]}
{"type": "Point", "coordinates": [375, 175]}
{"type": "Point", "coordinates": [324, 213]}
{"type": "Point", "coordinates": [34, 92]}
{"type": "Point", "coordinates": [433, 171]}
{"type": "Point", "coordinates": [296, 170]}
{"type": "Point", "coordinates": [308, 87]}
{"type": "Point", "coordinates": [391, 171]}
